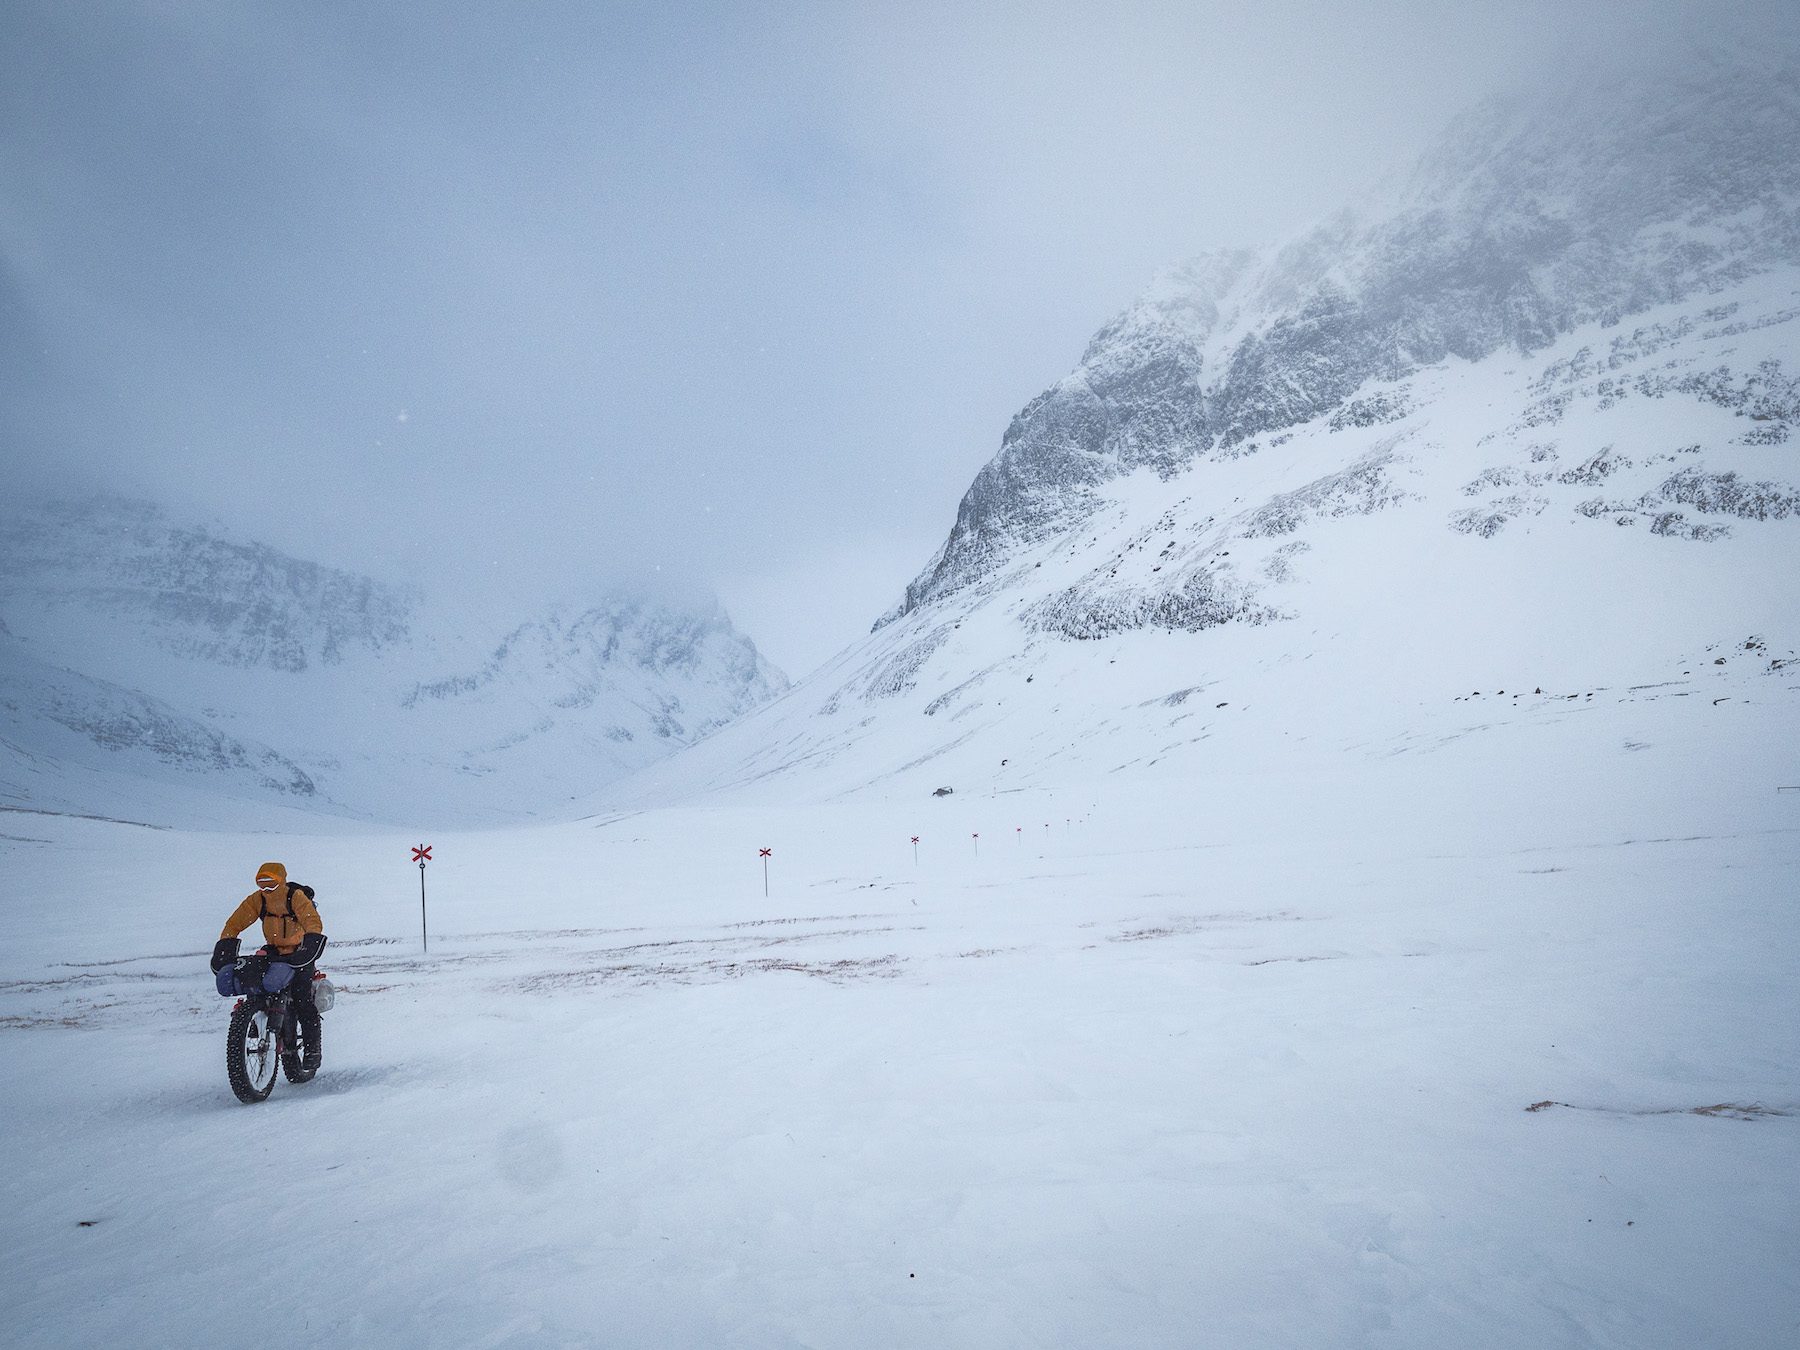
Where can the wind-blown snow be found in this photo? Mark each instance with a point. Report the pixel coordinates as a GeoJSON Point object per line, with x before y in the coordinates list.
{"type": "Point", "coordinates": [1351, 731]}
{"type": "Point", "coordinates": [1526, 223]}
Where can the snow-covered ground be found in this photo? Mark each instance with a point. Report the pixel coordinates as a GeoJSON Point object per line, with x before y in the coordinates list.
{"type": "Point", "coordinates": [1182, 1056]}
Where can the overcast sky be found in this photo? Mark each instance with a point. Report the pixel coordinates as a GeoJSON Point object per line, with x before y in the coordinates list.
{"type": "Point", "coordinates": [737, 295]}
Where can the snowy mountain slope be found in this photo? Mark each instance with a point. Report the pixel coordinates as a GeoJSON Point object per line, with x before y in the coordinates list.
{"type": "Point", "coordinates": [186, 592]}
{"type": "Point", "coordinates": [1527, 221]}
{"type": "Point", "coordinates": [233, 665]}
{"type": "Point", "coordinates": [1558, 471]}
{"type": "Point", "coordinates": [1467, 547]}
{"type": "Point", "coordinates": [56, 721]}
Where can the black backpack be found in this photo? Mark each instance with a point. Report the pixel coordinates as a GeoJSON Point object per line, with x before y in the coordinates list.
{"type": "Point", "coordinates": [292, 886]}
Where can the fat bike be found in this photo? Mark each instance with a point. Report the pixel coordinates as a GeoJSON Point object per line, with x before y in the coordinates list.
{"type": "Point", "coordinates": [270, 1031]}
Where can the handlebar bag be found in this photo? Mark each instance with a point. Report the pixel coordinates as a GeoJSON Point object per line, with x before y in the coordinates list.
{"type": "Point", "coordinates": [250, 975]}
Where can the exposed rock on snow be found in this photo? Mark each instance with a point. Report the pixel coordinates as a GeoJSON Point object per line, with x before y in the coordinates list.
{"type": "Point", "coordinates": [1674, 525]}
{"type": "Point", "coordinates": [1595, 470]}
{"type": "Point", "coordinates": [1360, 490]}
{"type": "Point", "coordinates": [1726, 494]}
{"type": "Point", "coordinates": [1489, 521]}
{"type": "Point", "coordinates": [1371, 411]}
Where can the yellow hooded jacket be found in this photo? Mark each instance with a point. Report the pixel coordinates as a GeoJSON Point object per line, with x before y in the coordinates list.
{"type": "Point", "coordinates": [286, 914]}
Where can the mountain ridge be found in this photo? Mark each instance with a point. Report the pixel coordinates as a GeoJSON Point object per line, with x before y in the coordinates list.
{"type": "Point", "coordinates": [178, 650]}
{"type": "Point", "coordinates": [1492, 439]}
{"type": "Point", "coordinates": [1523, 223]}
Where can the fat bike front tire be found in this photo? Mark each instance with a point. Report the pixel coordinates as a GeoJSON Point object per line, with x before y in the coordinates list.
{"type": "Point", "coordinates": [301, 1061]}
{"type": "Point", "coordinates": [250, 1054]}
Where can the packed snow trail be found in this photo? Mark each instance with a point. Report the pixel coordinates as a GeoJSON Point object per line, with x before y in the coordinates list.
{"type": "Point", "coordinates": [1162, 1070]}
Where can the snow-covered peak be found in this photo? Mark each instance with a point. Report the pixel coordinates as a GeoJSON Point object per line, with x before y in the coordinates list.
{"type": "Point", "coordinates": [1179, 309]}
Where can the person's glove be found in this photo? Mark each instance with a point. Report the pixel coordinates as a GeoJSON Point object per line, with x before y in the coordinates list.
{"type": "Point", "coordinates": [307, 952]}
{"type": "Point", "coordinates": [225, 951]}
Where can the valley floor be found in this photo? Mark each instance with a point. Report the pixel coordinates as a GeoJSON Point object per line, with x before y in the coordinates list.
{"type": "Point", "coordinates": [1270, 1064]}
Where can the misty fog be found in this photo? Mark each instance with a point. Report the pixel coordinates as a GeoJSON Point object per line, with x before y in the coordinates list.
{"type": "Point", "coordinates": [707, 297]}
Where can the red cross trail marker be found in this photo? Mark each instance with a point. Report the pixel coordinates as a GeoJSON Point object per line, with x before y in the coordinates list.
{"type": "Point", "coordinates": [915, 840]}
{"type": "Point", "coordinates": [422, 855]}
{"type": "Point", "coordinates": [977, 843]}
{"type": "Point", "coordinates": [764, 855]}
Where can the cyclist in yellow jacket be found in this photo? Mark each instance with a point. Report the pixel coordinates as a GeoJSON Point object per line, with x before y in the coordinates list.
{"type": "Point", "coordinates": [293, 937]}
{"type": "Point", "coordinates": [288, 918]}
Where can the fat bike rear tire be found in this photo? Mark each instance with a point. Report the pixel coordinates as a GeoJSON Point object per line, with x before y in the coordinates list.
{"type": "Point", "coordinates": [250, 1054]}
{"type": "Point", "coordinates": [300, 1061]}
